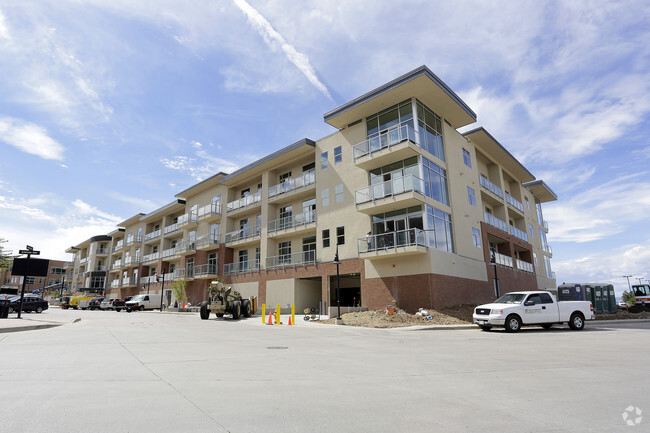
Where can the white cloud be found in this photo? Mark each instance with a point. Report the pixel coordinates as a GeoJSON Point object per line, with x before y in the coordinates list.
{"type": "Point", "coordinates": [201, 166]}
{"type": "Point", "coordinates": [30, 138]}
{"type": "Point", "coordinates": [4, 30]}
{"type": "Point", "coordinates": [272, 37]}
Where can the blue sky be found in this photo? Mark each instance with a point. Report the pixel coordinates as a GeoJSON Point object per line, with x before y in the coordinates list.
{"type": "Point", "coordinates": [111, 107]}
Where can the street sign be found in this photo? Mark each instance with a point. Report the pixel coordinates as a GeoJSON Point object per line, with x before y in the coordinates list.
{"type": "Point", "coordinates": [32, 252]}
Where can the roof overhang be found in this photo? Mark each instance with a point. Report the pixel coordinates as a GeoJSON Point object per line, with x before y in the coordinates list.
{"type": "Point", "coordinates": [134, 219]}
{"type": "Point", "coordinates": [170, 208]}
{"type": "Point", "coordinates": [283, 156]}
{"type": "Point", "coordinates": [420, 83]}
{"type": "Point", "coordinates": [489, 146]}
{"type": "Point", "coordinates": [541, 191]}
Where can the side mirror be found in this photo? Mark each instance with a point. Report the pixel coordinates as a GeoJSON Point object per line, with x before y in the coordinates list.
{"type": "Point", "coordinates": [529, 303]}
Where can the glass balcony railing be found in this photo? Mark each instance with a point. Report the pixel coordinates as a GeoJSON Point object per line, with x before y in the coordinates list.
{"type": "Point", "coordinates": [241, 267]}
{"type": "Point", "coordinates": [391, 137]}
{"type": "Point", "coordinates": [147, 258]}
{"type": "Point", "coordinates": [132, 261]}
{"type": "Point", "coordinates": [295, 259]}
{"type": "Point", "coordinates": [171, 228]}
{"type": "Point", "coordinates": [115, 284]}
{"type": "Point", "coordinates": [203, 270]}
{"type": "Point", "coordinates": [119, 245]}
{"type": "Point", "coordinates": [514, 203]}
{"type": "Point", "coordinates": [519, 233]}
{"type": "Point", "coordinates": [524, 266]}
{"type": "Point", "coordinates": [153, 235]}
{"type": "Point", "coordinates": [485, 183]}
{"type": "Point", "coordinates": [212, 209]}
{"type": "Point", "coordinates": [188, 218]}
{"type": "Point", "coordinates": [151, 279]}
{"type": "Point", "coordinates": [548, 249]}
{"type": "Point", "coordinates": [495, 222]}
{"type": "Point", "coordinates": [291, 184]}
{"type": "Point", "coordinates": [391, 240]}
{"type": "Point", "coordinates": [389, 188]}
{"type": "Point", "coordinates": [291, 221]}
{"type": "Point", "coordinates": [502, 260]}
{"type": "Point", "coordinates": [117, 264]}
{"type": "Point", "coordinates": [180, 273]}
{"type": "Point", "coordinates": [211, 239]}
{"type": "Point", "coordinates": [102, 251]}
{"type": "Point", "coordinates": [241, 234]}
{"type": "Point", "coordinates": [249, 200]}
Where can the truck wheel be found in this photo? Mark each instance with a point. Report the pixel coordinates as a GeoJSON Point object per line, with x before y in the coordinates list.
{"type": "Point", "coordinates": [246, 307]}
{"type": "Point", "coordinates": [513, 324]}
{"type": "Point", "coordinates": [205, 313]}
{"type": "Point", "coordinates": [236, 310]}
{"type": "Point", "coordinates": [485, 327]}
{"type": "Point", "coordinates": [141, 307]}
{"type": "Point", "coordinates": [577, 322]}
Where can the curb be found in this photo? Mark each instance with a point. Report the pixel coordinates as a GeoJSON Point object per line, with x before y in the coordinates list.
{"type": "Point", "coordinates": [32, 327]}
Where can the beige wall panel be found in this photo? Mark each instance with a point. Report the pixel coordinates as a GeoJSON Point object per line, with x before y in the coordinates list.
{"type": "Point", "coordinates": [280, 292]}
{"type": "Point", "coordinates": [435, 262]}
{"type": "Point", "coordinates": [247, 289]}
{"type": "Point", "coordinates": [307, 294]}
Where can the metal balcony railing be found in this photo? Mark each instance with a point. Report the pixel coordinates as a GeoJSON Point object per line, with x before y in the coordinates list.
{"type": "Point", "coordinates": [119, 245]}
{"type": "Point", "coordinates": [548, 249]}
{"type": "Point", "coordinates": [249, 200]}
{"type": "Point", "coordinates": [171, 228]}
{"type": "Point", "coordinates": [495, 222]}
{"type": "Point", "coordinates": [208, 240]}
{"type": "Point", "coordinates": [209, 210]}
{"type": "Point", "coordinates": [296, 259]}
{"type": "Point", "coordinates": [115, 284]}
{"type": "Point", "coordinates": [152, 235]}
{"type": "Point", "coordinates": [181, 273]}
{"type": "Point", "coordinates": [188, 218]}
{"type": "Point", "coordinates": [291, 221]}
{"type": "Point", "coordinates": [150, 257]}
{"type": "Point", "coordinates": [502, 260]}
{"type": "Point", "coordinates": [485, 183]}
{"type": "Point", "coordinates": [151, 279]}
{"type": "Point", "coordinates": [208, 269]}
{"type": "Point", "coordinates": [241, 267]}
{"type": "Point", "coordinates": [524, 266]}
{"type": "Point", "coordinates": [102, 251]}
{"type": "Point", "coordinates": [291, 184]}
{"type": "Point", "coordinates": [132, 261]}
{"type": "Point", "coordinates": [185, 246]}
{"type": "Point", "coordinates": [116, 264]}
{"type": "Point", "coordinates": [170, 252]}
{"type": "Point", "coordinates": [519, 233]}
{"type": "Point", "coordinates": [391, 187]}
{"type": "Point", "coordinates": [241, 234]}
{"type": "Point", "coordinates": [514, 202]}
{"type": "Point", "coordinates": [391, 137]}
{"type": "Point", "coordinates": [391, 240]}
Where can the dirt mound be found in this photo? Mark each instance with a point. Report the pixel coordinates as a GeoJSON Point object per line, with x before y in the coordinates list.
{"type": "Point", "coordinates": [457, 315]}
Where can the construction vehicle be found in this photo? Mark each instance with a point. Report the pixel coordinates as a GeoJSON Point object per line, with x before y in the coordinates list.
{"type": "Point", "coordinates": [224, 299]}
{"type": "Point", "coordinates": [641, 294]}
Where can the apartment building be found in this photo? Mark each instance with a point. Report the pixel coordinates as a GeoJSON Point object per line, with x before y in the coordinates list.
{"type": "Point", "coordinates": [419, 213]}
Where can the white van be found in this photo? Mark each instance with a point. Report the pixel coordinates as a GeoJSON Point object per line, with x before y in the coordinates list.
{"type": "Point", "coordinates": [143, 302]}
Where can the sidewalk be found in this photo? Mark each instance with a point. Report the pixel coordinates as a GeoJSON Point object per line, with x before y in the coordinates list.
{"type": "Point", "coordinates": [30, 322]}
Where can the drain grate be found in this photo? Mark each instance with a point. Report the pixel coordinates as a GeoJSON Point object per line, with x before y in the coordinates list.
{"type": "Point", "coordinates": [277, 347]}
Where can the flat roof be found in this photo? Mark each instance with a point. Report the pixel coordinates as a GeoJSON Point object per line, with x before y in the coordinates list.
{"type": "Point", "coordinates": [203, 185]}
{"type": "Point", "coordinates": [541, 190]}
{"type": "Point", "coordinates": [420, 83]}
{"type": "Point", "coordinates": [168, 208]}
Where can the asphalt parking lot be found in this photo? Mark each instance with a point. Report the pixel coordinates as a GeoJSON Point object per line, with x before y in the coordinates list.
{"type": "Point", "coordinates": [151, 371]}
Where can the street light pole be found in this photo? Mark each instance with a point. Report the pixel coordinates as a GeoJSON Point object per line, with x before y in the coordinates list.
{"type": "Point", "coordinates": [338, 284]}
{"type": "Point", "coordinates": [493, 261]}
{"type": "Point", "coordinates": [162, 289]}
{"type": "Point", "coordinates": [628, 281]}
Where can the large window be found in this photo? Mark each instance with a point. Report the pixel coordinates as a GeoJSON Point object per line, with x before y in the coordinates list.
{"type": "Point", "coordinates": [430, 131]}
{"type": "Point", "coordinates": [389, 118]}
{"type": "Point", "coordinates": [435, 181]}
{"type": "Point", "coordinates": [440, 234]}
{"type": "Point", "coordinates": [284, 251]}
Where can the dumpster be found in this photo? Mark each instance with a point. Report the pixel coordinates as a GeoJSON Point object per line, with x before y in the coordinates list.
{"type": "Point", "coordinates": [4, 308]}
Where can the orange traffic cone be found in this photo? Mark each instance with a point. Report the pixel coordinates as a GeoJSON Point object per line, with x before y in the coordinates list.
{"type": "Point", "coordinates": [270, 322]}
{"type": "Point", "coordinates": [290, 321]}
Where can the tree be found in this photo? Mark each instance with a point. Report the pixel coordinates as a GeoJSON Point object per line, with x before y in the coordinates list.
{"type": "Point", "coordinates": [628, 298]}
{"type": "Point", "coordinates": [6, 259]}
{"type": "Point", "coordinates": [178, 290]}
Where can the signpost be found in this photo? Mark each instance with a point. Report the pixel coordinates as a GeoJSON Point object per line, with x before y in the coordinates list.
{"type": "Point", "coordinates": [29, 268]}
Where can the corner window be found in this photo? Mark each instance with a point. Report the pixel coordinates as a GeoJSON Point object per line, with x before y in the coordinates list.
{"type": "Point", "coordinates": [467, 159]}
{"type": "Point", "coordinates": [338, 155]}
{"type": "Point", "coordinates": [323, 160]}
{"type": "Point", "coordinates": [326, 238]}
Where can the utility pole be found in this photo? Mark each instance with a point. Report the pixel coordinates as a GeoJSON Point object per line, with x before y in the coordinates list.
{"type": "Point", "coordinates": [628, 281]}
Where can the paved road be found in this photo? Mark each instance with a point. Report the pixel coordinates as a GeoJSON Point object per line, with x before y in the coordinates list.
{"type": "Point", "coordinates": [153, 372]}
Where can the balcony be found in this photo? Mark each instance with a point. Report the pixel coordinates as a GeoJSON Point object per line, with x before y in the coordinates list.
{"type": "Point", "coordinates": [148, 258]}
{"type": "Point", "coordinates": [183, 273]}
{"type": "Point", "coordinates": [82, 261]}
{"type": "Point", "coordinates": [294, 188]}
{"type": "Point", "coordinates": [206, 271]}
{"type": "Point", "coordinates": [171, 229]}
{"type": "Point", "coordinates": [101, 251]}
{"type": "Point", "coordinates": [186, 247]}
{"type": "Point", "coordinates": [399, 142]}
{"type": "Point", "coordinates": [115, 284]}
{"type": "Point", "coordinates": [132, 261]}
{"type": "Point", "coordinates": [129, 282]}
{"type": "Point", "coordinates": [495, 222]}
{"type": "Point", "coordinates": [170, 253]}
{"type": "Point", "coordinates": [293, 224]}
{"type": "Point", "coordinates": [118, 246]}
{"type": "Point", "coordinates": [99, 268]}
{"type": "Point", "coordinates": [208, 241]}
{"type": "Point", "coordinates": [545, 226]}
{"type": "Point", "coordinates": [397, 193]}
{"type": "Point", "coordinates": [117, 264]}
{"type": "Point", "coordinates": [485, 183]}
{"type": "Point", "coordinates": [210, 213]}
{"type": "Point", "coordinates": [519, 233]}
{"type": "Point", "coordinates": [244, 203]}
{"type": "Point", "coordinates": [296, 259]}
{"type": "Point", "coordinates": [524, 266]}
{"type": "Point", "coordinates": [133, 240]}
{"type": "Point", "coordinates": [502, 260]}
{"type": "Point", "coordinates": [402, 242]}
{"type": "Point", "coordinates": [241, 267]}
{"type": "Point", "coordinates": [243, 235]}
{"type": "Point", "coordinates": [188, 220]}
{"type": "Point", "coordinates": [151, 279]}
{"type": "Point", "coordinates": [547, 249]}
{"type": "Point", "coordinates": [152, 236]}
{"type": "Point", "coordinates": [514, 203]}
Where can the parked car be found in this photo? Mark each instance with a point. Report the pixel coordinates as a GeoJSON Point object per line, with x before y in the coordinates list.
{"type": "Point", "coordinates": [143, 302]}
{"type": "Point", "coordinates": [112, 304]}
{"type": "Point", "coordinates": [30, 303]}
{"type": "Point", "coordinates": [95, 303]}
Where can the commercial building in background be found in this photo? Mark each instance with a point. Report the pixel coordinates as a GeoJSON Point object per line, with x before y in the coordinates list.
{"type": "Point", "coordinates": [421, 215]}
{"type": "Point", "coordinates": [10, 283]}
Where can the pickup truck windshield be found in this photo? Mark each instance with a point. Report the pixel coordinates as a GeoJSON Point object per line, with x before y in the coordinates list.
{"type": "Point", "coordinates": [511, 298]}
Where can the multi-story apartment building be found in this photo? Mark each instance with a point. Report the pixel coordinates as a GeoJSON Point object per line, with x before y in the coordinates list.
{"type": "Point", "coordinates": [419, 213]}
{"type": "Point", "coordinates": [89, 264]}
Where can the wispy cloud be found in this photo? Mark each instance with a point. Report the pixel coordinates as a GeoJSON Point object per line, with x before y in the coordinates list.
{"type": "Point", "coordinates": [272, 37]}
{"type": "Point", "coordinates": [30, 138]}
{"type": "Point", "coordinates": [200, 166]}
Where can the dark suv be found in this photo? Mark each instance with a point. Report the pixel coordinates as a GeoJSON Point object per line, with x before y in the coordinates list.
{"type": "Point", "coordinates": [95, 303]}
{"type": "Point", "coordinates": [30, 303]}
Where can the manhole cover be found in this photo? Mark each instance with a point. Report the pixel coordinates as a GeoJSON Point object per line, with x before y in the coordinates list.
{"type": "Point", "coordinates": [277, 347]}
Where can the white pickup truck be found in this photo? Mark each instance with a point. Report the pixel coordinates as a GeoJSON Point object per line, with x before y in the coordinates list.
{"type": "Point", "coordinates": [517, 309]}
